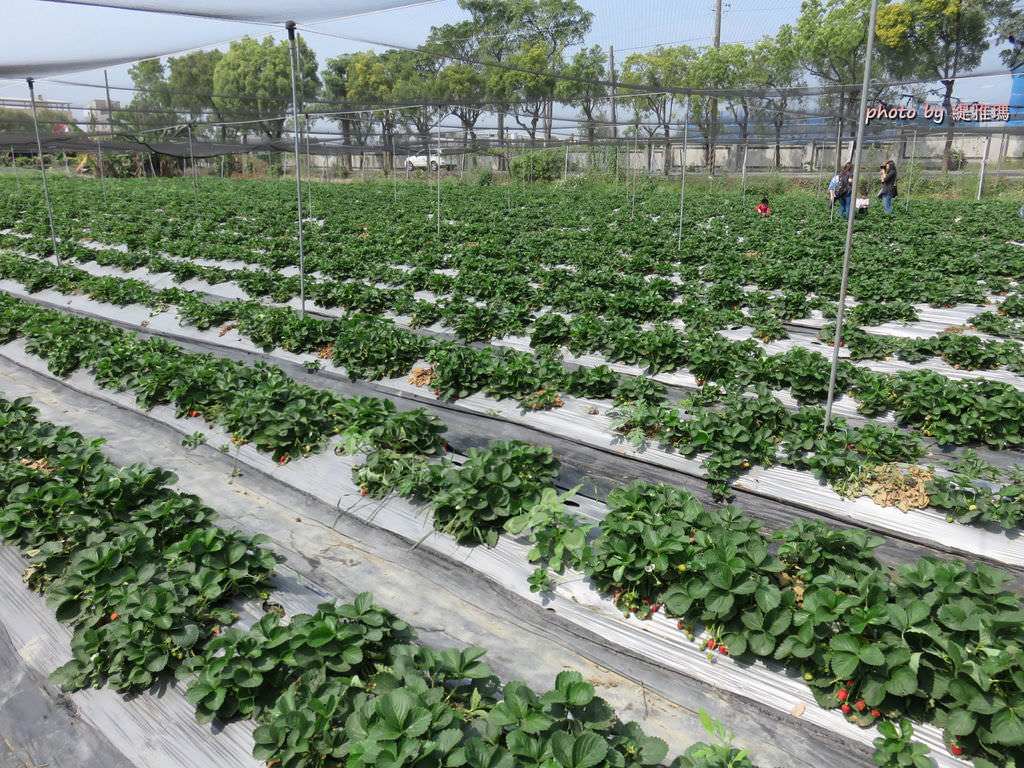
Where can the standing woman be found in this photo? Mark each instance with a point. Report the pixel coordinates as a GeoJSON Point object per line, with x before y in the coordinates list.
{"type": "Point", "coordinates": [887, 176]}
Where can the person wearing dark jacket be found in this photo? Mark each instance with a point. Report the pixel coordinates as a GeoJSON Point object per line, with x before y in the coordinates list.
{"type": "Point", "coordinates": [844, 189]}
{"type": "Point", "coordinates": [887, 175]}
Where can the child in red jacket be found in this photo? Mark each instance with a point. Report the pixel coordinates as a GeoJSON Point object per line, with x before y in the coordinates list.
{"type": "Point", "coordinates": [763, 208]}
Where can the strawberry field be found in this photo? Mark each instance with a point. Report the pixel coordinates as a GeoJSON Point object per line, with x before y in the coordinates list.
{"type": "Point", "coordinates": [565, 399]}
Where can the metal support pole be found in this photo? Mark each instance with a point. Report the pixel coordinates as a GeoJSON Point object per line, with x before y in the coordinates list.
{"type": "Point", "coordinates": [103, 175]}
{"type": "Point", "coordinates": [984, 165]}
{"type": "Point", "coordinates": [636, 171]}
{"type": "Point", "coordinates": [17, 178]}
{"type": "Point", "coordinates": [682, 183]}
{"type": "Point", "coordinates": [508, 165]}
{"type": "Point", "coordinates": [438, 178]}
{"type": "Point", "coordinates": [744, 173]}
{"type": "Point", "coordinates": [852, 213]}
{"type": "Point", "coordinates": [195, 179]}
{"type": "Point", "coordinates": [42, 168]}
{"type": "Point", "coordinates": [565, 170]}
{"type": "Point", "coordinates": [394, 171]}
{"type": "Point", "coordinates": [294, 56]}
{"type": "Point", "coordinates": [309, 167]}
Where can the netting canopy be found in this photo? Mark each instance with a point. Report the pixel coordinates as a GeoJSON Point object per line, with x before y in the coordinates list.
{"type": "Point", "coordinates": [61, 36]}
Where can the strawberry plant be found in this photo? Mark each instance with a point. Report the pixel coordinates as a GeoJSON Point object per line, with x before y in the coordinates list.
{"type": "Point", "coordinates": [491, 486]}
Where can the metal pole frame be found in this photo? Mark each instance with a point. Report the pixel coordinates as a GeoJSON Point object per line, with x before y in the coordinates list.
{"type": "Point", "coordinates": [438, 162]}
{"type": "Point", "coordinates": [293, 58]}
{"type": "Point", "coordinates": [913, 157]}
{"type": "Point", "coordinates": [851, 214]}
{"type": "Point", "coordinates": [103, 175]}
{"type": "Point", "coordinates": [636, 171]}
{"type": "Point", "coordinates": [744, 173]}
{"type": "Point", "coordinates": [42, 168]}
{"type": "Point", "coordinates": [309, 160]}
{"type": "Point", "coordinates": [195, 179]}
{"type": "Point", "coordinates": [17, 178]}
{"type": "Point", "coordinates": [682, 183]}
{"type": "Point", "coordinates": [984, 165]}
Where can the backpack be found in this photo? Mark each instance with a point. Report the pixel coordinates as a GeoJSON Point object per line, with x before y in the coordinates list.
{"type": "Point", "coordinates": [843, 187]}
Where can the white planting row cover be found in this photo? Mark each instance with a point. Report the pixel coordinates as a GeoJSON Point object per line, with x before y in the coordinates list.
{"type": "Point", "coordinates": [573, 420]}
{"type": "Point", "coordinates": [845, 406]}
{"type": "Point", "coordinates": [326, 477]}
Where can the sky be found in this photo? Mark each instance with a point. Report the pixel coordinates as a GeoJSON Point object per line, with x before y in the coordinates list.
{"type": "Point", "coordinates": [37, 33]}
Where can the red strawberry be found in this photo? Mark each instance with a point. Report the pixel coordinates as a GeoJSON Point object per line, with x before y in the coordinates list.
{"type": "Point", "coordinates": [437, 391]}
{"type": "Point", "coordinates": [114, 616]}
{"type": "Point", "coordinates": [711, 643]}
{"type": "Point", "coordinates": [363, 491]}
{"type": "Point", "coordinates": [723, 650]}
{"type": "Point", "coordinates": [846, 709]}
{"type": "Point", "coordinates": [654, 608]}
{"type": "Point", "coordinates": [956, 749]}
{"type": "Point", "coordinates": [861, 705]}
{"type": "Point", "coordinates": [646, 601]}
{"type": "Point", "coordinates": [679, 625]}
{"type": "Point", "coordinates": [842, 694]}
{"type": "Point", "coordinates": [875, 713]}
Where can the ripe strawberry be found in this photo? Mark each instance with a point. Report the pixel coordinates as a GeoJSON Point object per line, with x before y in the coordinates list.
{"type": "Point", "coordinates": [875, 713]}
{"type": "Point", "coordinates": [113, 616]}
{"type": "Point", "coordinates": [363, 491]}
{"type": "Point", "coordinates": [861, 705]}
{"type": "Point", "coordinates": [842, 694]}
{"type": "Point", "coordinates": [723, 650]}
{"type": "Point", "coordinates": [956, 749]}
{"type": "Point", "coordinates": [711, 643]}
{"type": "Point", "coordinates": [655, 607]}
{"type": "Point", "coordinates": [846, 709]}
{"type": "Point", "coordinates": [646, 601]}
{"type": "Point", "coordinates": [679, 625]}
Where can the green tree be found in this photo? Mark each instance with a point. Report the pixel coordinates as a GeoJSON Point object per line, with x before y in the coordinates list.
{"type": "Point", "coordinates": [252, 81]}
{"type": "Point", "coordinates": [555, 25]}
{"type": "Point", "coordinates": [150, 107]}
{"type": "Point", "coordinates": [941, 39]}
{"type": "Point", "coordinates": [190, 86]}
{"type": "Point", "coordinates": [660, 68]}
{"type": "Point", "coordinates": [459, 85]}
{"type": "Point", "coordinates": [498, 29]}
{"type": "Point", "coordinates": [354, 128]}
{"type": "Point", "coordinates": [831, 36]}
{"type": "Point", "coordinates": [708, 69]}
{"type": "Point", "coordinates": [780, 60]}
{"type": "Point", "coordinates": [746, 74]}
{"type": "Point", "coordinates": [372, 81]}
{"type": "Point", "coordinates": [586, 93]}
{"type": "Point", "coordinates": [528, 93]}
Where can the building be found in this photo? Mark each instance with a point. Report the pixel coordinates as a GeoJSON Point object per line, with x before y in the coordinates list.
{"type": "Point", "coordinates": [101, 115]}
{"type": "Point", "coordinates": [41, 103]}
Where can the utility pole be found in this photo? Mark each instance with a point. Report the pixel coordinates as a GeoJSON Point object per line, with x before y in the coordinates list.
{"type": "Point", "coordinates": [714, 99]}
{"type": "Point", "coordinates": [611, 66]}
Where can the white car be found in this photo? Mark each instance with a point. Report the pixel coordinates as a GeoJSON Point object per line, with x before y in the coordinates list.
{"type": "Point", "coordinates": [428, 161]}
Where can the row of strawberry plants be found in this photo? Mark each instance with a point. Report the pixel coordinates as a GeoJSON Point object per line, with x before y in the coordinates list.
{"type": "Point", "coordinates": [933, 639]}
{"type": "Point", "coordinates": [951, 412]}
{"type": "Point", "coordinates": [144, 578]}
{"type": "Point", "coordinates": [493, 489]}
{"type": "Point", "coordinates": [736, 431]}
{"type": "Point", "coordinates": [138, 570]}
{"type": "Point", "coordinates": [600, 328]}
{"type": "Point", "coordinates": [362, 226]}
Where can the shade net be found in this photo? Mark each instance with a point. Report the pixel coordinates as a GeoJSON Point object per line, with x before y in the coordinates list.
{"type": "Point", "coordinates": [66, 36]}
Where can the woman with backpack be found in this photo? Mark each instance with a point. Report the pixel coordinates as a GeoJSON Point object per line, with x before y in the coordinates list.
{"type": "Point", "coordinates": [844, 190]}
{"type": "Point", "coordinates": [887, 175]}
